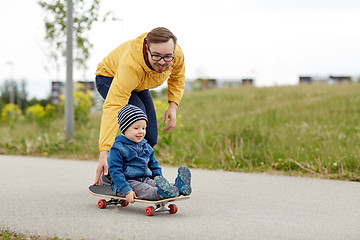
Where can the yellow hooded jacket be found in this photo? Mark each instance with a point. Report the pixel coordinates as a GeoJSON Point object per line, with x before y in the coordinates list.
{"type": "Point", "coordinates": [127, 66]}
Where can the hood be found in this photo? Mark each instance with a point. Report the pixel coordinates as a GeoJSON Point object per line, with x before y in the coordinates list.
{"type": "Point", "coordinates": [136, 50]}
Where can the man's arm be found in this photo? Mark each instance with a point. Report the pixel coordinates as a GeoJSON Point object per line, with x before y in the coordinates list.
{"type": "Point", "coordinates": [118, 96]}
{"type": "Point", "coordinates": [170, 114]}
{"type": "Point", "coordinates": [176, 85]}
{"type": "Point", "coordinates": [176, 81]}
{"type": "Point", "coordinates": [102, 167]}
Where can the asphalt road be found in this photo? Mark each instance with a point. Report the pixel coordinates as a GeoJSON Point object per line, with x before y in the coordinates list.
{"type": "Point", "coordinates": [49, 197]}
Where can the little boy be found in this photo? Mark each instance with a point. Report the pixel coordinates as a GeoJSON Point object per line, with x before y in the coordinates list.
{"type": "Point", "coordinates": [133, 168]}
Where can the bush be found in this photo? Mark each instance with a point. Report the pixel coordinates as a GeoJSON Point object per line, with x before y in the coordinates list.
{"type": "Point", "coordinates": [41, 115]}
{"type": "Point", "coordinates": [83, 100]}
{"type": "Point", "coordinates": [11, 113]}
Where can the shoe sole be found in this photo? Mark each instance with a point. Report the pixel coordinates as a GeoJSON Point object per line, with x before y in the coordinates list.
{"type": "Point", "coordinates": [185, 176]}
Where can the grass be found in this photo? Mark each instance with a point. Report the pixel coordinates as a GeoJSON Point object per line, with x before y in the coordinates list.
{"type": "Point", "coordinates": [30, 139]}
{"type": "Point", "coordinates": [7, 235]}
{"type": "Point", "coordinates": [309, 130]}
{"type": "Point", "coordinates": [312, 129]}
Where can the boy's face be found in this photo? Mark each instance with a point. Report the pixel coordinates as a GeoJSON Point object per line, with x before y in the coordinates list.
{"type": "Point", "coordinates": [136, 132]}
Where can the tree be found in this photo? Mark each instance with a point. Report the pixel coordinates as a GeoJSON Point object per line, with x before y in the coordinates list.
{"type": "Point", "coordinates": [18, 90]}
{"type": "Point", "coordinates": [85, 13]}
{"type": "Point", "coordinates": [5, 90]}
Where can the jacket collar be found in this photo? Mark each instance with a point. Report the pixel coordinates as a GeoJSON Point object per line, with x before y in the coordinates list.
{"type": "Point", "coordinates": [125, 140]}
{"type": "Point", "coordinates": [137, 52]}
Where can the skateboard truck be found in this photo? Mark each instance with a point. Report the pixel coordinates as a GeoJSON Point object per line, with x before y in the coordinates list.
{"type": "Point", "coordinates": [103, 203]}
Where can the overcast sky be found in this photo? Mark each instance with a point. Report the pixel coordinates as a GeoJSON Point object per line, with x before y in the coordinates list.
{"type": "Point", "coordinates": [273, 41]}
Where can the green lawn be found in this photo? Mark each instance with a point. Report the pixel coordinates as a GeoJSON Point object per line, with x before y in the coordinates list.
{"type": "Point", "coordinates": [308, 129]}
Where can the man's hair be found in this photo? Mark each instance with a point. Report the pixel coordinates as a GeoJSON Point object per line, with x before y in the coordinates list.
{"type": "Point", "coordinates": [160, 35]}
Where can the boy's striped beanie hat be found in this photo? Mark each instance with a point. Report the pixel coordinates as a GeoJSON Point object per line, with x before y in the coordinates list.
{"type": "Point", "coordinates": [128, 115]}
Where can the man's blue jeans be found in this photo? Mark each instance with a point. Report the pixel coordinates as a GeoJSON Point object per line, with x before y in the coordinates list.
{"type": "Point", "coordinates": [141, 99]}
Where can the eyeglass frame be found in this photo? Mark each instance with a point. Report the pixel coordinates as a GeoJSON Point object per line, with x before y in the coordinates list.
{"type": "Point", "coordinates": [152, 55]}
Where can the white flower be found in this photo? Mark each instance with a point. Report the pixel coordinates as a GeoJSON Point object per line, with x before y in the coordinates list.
{"type": "Point", "coordinates": [341, 136]}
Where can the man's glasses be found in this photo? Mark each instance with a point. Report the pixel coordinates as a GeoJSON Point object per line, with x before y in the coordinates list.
{"type": "Point", "coordinates": [158, 58]}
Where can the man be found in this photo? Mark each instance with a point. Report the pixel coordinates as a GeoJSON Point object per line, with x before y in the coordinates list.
{"type": "Point", "coordinates": [126, 75]}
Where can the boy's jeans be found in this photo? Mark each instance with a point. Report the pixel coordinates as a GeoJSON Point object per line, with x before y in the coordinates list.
{"type": "Point", "coordinates": [142, 99]}
{"type": "Point", "coordinates": [145, 190]}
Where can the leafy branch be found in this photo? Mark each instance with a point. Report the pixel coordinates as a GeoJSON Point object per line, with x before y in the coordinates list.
{"type": "Point", "coordinates": [85, 14]}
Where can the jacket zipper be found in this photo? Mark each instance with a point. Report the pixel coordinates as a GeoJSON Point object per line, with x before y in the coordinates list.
{"type": "Point", "coordinates": [137, 150]}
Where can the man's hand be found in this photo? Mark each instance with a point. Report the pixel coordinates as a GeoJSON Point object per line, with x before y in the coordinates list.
{"type": "Point", "coordinates": [102, 167]}
{"type": "Point", "coordinates": [131, 196]}
{"type": "Point", "coordinates": [170, 114]}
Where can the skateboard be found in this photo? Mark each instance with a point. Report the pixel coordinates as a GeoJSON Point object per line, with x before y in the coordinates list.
{"type": "Point", "coordinates": [160, 205]}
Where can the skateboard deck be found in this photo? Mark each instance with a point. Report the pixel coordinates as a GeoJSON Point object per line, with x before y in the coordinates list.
{"type": "Point", "coordinates": [160, 205]}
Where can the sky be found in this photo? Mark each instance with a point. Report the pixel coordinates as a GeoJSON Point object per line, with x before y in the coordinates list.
{"type": "Point", "coordinates": [272, 41]}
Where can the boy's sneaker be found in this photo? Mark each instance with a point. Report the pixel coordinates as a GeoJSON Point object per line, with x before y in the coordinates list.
{"type": "Point", "coordinates": [164, 188]}
{"type": "Point", "coordinates": [183, 181]}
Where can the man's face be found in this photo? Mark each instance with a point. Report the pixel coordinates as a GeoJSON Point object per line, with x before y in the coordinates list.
{"type": "Point", "coordinates": [161, 50]}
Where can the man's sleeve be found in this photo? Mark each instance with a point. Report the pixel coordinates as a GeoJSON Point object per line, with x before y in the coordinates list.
{"type": "Point", "coordinates": [124, 82]}
{"type": "Point", "coordinates": [176, 81]}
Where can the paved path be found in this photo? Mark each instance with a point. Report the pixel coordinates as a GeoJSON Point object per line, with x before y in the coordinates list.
{"type": "Point", "coordinates": [50, 197]}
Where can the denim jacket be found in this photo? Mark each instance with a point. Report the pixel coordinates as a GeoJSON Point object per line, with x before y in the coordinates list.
{"type": "Point", "coordinates": [128, 160]}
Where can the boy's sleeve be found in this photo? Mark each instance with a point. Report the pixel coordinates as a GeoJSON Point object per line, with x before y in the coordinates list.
{"type": "Point", "coordinates": [115, 162]}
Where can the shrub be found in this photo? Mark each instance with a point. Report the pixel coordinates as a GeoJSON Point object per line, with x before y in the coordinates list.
{"type": "Point", "coordinates": [41, 115]}
{"type": "Point", "coordinates": [11, 113]}
{"type": "Point", "coordinates": [83, 101]}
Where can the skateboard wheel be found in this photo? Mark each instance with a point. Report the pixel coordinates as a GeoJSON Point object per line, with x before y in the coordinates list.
{"type": "Point", "coordinates": [149, 211]}
{"type": "Point", "coordinates": [102, 203]}
{"type": "Point", "coordinates": [173, 208]}
{"type": "Point", "coordinates": [123, 203]}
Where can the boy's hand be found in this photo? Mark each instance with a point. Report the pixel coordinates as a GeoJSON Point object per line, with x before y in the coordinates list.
{"type": "Point", "coordinates": [131, 196]}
